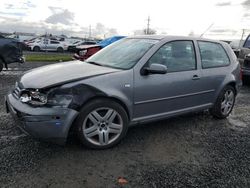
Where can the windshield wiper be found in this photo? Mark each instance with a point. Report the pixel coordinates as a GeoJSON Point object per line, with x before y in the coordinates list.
{"type": "Point", "coordinates": [103, 65]}
{"type": "Point", "coordinates": [93, 63]}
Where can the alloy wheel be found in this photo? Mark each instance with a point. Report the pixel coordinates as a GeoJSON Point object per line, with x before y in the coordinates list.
{"type": "Point", "coordinates": [102, 126]}
{"type": "Point", "coordinates": [227, 102]}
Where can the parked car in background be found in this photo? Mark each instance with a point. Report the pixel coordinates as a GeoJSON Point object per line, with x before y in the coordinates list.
{"type": "Point", "coordinates": [135, 80]}
{"type": "Point", "coordinates": [83, 52]}
{"type": "Point", "coordinates": [10, 52]}
{"type": "Point", "coordinates": [72, 48]}
{"type": "Point", "coordinates": [110, 40]}
{"type": "Point", "coordinates": [246, 70]}
{"type": "Point", "coordinates": [236, 45]}
{"type": "Point", "coordinates": [44, 44]}
{"type": "Point", "coordinates": [86, 51]}
{"type": "Point", "coordinates": [244, 59]}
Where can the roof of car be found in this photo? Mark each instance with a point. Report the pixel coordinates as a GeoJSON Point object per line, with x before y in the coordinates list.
{"type": "Point", "coordinates": [169, 37]}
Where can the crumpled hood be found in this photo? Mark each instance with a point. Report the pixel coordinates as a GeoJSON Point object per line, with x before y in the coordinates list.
{"type": "Point", "coordinates": [60, 73]}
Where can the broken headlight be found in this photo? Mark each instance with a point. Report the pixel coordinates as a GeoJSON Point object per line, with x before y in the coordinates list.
{"type": "Point", "coordinates": [59, 97]}
{"type": "Point", "coordinates": [62, 100]}
{"type": "Point", "coordinates": [33, 97]}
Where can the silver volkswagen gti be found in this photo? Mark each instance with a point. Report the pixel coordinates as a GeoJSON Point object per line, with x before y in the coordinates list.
{"type": "Point", "coordinates": [135, 80]}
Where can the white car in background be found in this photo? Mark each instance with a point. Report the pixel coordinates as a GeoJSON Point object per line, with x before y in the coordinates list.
{"type": "Point", "coordinates": [44, 44]}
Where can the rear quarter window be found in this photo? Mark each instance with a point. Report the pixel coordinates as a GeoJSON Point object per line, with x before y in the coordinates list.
{"type": "Point", "coordinates": [213, 55]}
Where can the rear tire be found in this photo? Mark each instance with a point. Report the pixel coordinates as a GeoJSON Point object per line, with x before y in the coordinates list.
{"type": "Point", "coordinates": [101, 124]}
{"type": "Point", "coordinates": [245, 80]}
{"type": "Point", "coordinates": [224, 103]}
{"type": "Point", "coordinates": [60, 49]}
{"type": "Point", "coordinates": [36, 49]}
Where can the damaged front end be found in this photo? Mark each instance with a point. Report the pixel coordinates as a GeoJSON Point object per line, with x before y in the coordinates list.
{"type": "Point", "coordinates": [64, 96]}
{"type": "Point", "coordinates": [48, 113]}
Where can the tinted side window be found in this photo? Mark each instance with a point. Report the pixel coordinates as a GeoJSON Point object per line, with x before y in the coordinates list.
{"type": "Point", "coordinates": [213, 55]}
{"type": "Point", "coordinates": [176, 55]}
{"type": "Point", "coordinates": [54, 42]}
{"type": "Point", "coordinates": [46, 41]}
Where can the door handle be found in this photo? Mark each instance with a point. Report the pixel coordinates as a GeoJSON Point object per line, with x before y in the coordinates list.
{"type": "Point", "coordinates": [195, 77]}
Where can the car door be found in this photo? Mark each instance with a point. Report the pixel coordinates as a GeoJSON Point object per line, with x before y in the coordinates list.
{"type": "Point", "coordinates": [53, 45]}
{"type": "Point", "coordinates": [177, 91]}
{"type": "Point", "coordinates": [43, 44]}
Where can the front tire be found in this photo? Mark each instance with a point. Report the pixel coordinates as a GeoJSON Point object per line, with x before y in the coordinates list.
{"type": "Point", "coordinates": [36, 49]}
{"type": "Point", "coordinates": [101, 124]}
{"type": "Point", "coordinates": [224, 103]}
{"type": "Point", "coordinates": [60, 50]}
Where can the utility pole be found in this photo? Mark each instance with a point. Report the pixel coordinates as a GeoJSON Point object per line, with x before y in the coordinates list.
{"type": "Point", "coordinates": [89, 31]}
{"type": "Point", "coordinates": [243, 33]}
{"type": "Point", "coordinates": [148, 24]}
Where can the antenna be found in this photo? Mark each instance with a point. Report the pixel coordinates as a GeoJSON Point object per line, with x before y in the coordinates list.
{"type": "Point", "coordinates": [207, 29]}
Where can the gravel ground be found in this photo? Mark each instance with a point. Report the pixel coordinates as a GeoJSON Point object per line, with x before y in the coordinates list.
{"type": "Point", "coordinates": [194, 150]}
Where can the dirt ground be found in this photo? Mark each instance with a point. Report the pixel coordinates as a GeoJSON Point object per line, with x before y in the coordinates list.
{"type": "Point", "coordinates": [194, 150]}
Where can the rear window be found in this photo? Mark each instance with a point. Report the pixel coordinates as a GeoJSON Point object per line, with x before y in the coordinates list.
{"type": "Point", "coordinates": [212, 55]}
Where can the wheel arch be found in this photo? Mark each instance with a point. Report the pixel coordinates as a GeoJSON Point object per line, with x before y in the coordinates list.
{"type": "Point", "coordinates": [104, 97]}
{"type": "Point", "coordinates": [60, 49]}
{"type": "Point", "coordinates": [36, 46]}
{"type": "Point", "coordinates": [229, 83]}
{"type": "Point", "coordinates": [233, 84]}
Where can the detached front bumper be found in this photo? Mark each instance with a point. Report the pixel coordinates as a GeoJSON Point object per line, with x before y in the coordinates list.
{"type": "Point", "coordinates": [42, 123]}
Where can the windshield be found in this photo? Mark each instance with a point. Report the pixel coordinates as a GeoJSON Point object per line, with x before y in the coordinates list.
{"type": "Point", "coordinates": [123, 54]}
{"type": "Point", "coordinates": [76, 42]}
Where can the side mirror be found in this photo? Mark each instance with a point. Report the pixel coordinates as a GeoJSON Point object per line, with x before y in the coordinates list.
{"type": "Point", "coordinates": [155, 69]}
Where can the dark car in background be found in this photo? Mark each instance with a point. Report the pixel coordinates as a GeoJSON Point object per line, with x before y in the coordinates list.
{"type": "Point", "coordinates": [10, 52]}
{"type": "Point", "coordinates": [244, 59]}
{"type": "Point", "coordinates": [83, 52]}
{"type": "Point", "coordinates": [136, 80]}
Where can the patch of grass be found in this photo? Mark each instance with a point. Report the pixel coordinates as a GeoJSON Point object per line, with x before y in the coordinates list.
{"type": "Point", "coordinates": [48, 57]}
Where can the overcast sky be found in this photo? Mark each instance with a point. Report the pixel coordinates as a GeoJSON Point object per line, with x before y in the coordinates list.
{"type": "Point", "coordinates": [107, 17]}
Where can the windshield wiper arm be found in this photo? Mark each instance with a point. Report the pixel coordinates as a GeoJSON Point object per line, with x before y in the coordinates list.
{"type": "Point", "coordinates": [94, 63]}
